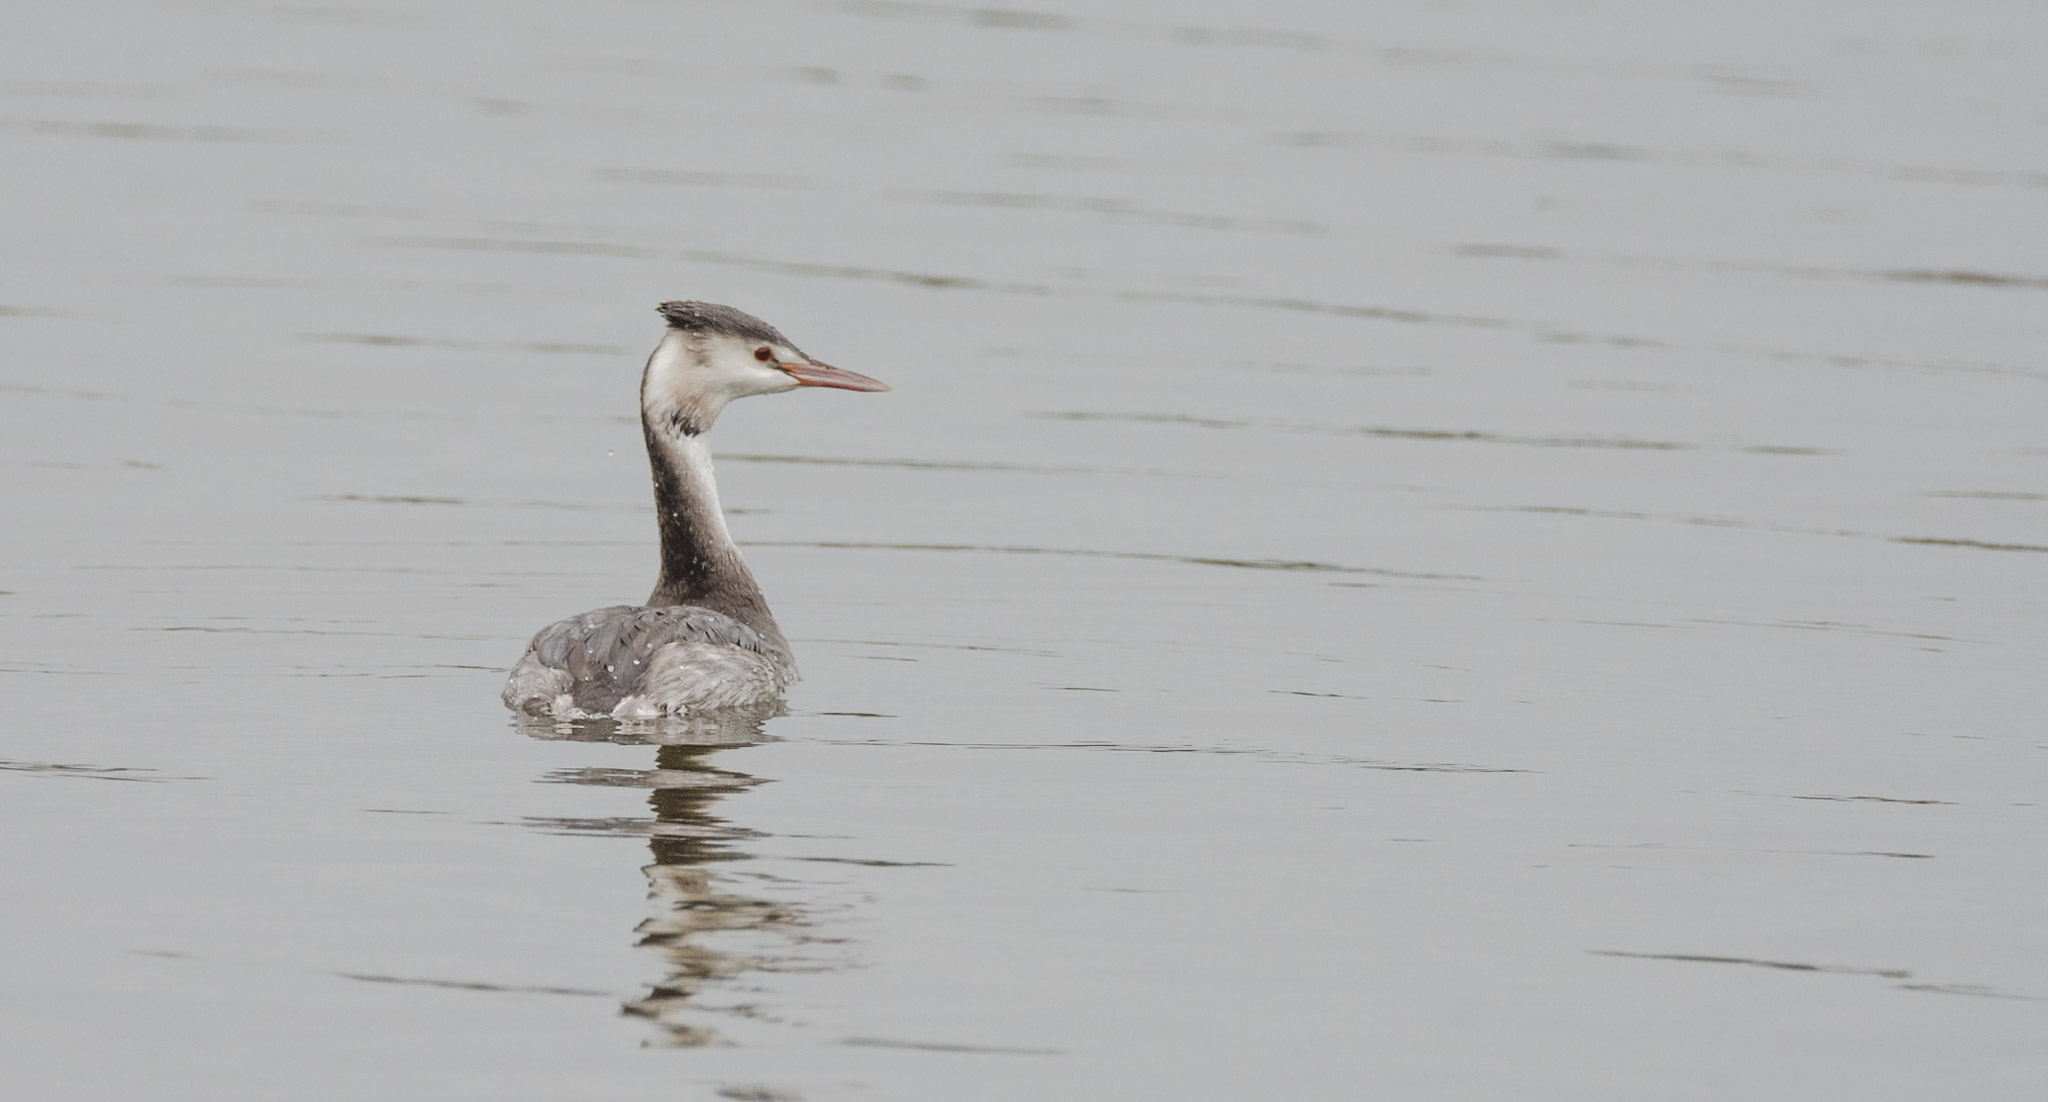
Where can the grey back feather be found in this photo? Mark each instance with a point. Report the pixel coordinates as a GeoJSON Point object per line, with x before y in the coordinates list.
{"type": "Point", "coordinates": [606, 655]}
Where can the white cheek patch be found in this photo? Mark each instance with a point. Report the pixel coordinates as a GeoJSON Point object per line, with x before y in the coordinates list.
{"type": "Point", "coordinates": [734, 368]}
{"type": "Point", "coordinates": [690, 378]}
{"type": "Point", "coordinates": [775, 381]}
{"type": "Point", "coordinates": [666, 389]}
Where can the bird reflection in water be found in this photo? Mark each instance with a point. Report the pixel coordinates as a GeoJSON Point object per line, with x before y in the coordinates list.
{"type": "Point", "coordinates": [693, 908]}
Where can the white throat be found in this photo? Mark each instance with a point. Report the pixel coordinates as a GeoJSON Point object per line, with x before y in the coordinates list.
{"type": "Point", "coordinates": [673, 394]}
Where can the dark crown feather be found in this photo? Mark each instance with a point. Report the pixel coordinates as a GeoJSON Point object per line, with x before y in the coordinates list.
{"type": "Point", "coordinates": [711, 318]}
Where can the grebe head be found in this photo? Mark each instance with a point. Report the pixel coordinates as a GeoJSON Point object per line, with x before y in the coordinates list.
{"type": "Point", "coordinates": [713, 354]}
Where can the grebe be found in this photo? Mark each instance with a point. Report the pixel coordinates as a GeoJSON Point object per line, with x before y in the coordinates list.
{"type": "Point", "coordinates": [705, 638]}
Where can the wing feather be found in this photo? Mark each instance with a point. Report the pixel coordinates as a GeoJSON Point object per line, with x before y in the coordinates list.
{"type": "Point", "coordinates": [605, 656]}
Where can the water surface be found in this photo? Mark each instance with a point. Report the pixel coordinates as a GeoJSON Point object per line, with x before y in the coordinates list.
{"type": "Point", "coordinates": [1473, 551]}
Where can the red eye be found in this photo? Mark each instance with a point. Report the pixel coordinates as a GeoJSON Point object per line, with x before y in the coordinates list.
{"type": "Point", "coordinates": [764, 354]}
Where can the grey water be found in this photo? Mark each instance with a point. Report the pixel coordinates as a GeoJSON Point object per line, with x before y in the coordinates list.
{"type": "Point", "coordinates": [1419, 550]}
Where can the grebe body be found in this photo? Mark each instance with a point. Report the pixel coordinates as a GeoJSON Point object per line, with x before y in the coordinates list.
{"type": "Point", "coordinates": [705, 639]}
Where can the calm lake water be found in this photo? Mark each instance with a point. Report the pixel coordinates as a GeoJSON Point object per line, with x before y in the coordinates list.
{"type": "Point", "coordinates": [1419, 551]}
